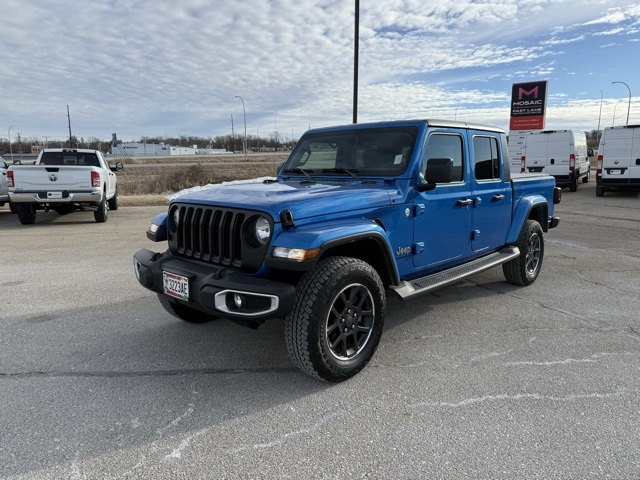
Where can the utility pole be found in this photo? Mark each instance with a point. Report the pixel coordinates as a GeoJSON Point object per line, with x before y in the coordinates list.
{"type": "Point", "coordinates": [69, 119]}
{"type": "Point", "coordinates": [19, 145]}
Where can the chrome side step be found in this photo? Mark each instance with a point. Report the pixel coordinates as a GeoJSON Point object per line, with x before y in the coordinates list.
{"type": "Point", "coordinates": [437, 280]}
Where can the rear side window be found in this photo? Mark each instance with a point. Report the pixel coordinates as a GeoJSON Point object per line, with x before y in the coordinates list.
{"type": "Point", "coordinates": [486, 159]}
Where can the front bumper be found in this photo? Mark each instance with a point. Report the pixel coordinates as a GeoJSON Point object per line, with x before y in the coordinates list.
{"type": "Point", "coordinates": [67, 197]}
{"type": "Point", "coordinates": [213, 289]}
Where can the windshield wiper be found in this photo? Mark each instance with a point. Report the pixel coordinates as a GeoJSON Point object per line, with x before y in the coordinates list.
{"type": "Point", "coordinates": [306, 173]}
{"type": "Point", "coordinates": [351, 171]}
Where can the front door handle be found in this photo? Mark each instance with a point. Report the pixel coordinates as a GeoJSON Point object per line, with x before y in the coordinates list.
{"type": "Point", "coordinates": [464, 202]}
{"type": "Point", "coordinates": [497, 198]}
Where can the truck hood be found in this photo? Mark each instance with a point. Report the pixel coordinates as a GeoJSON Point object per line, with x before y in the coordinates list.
{"type": "Point", "coordinates": [303, 200]}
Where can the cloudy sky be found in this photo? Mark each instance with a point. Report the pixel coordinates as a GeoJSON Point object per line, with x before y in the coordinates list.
{"type": "Point", "coordinates": [163, 68]}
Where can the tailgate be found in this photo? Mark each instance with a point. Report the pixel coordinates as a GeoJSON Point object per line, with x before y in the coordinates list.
{"type": "Point", "coordinates": [38, 178]}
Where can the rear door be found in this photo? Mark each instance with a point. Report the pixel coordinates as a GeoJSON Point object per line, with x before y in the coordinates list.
{"type": "Point", "coordinates": [616, 160]}
{"type": "Point", "coordinates": [559, 149]}
{"type": "Point", "coordinates": [634, 168]}
{"type": "Point", "coordinates": [491, 192]}
{"type": "Point", "coordinates": [535, 153]}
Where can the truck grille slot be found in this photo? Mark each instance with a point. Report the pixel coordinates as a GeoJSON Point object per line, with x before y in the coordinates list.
{"type": "Point", "coordinates": [211, 235]}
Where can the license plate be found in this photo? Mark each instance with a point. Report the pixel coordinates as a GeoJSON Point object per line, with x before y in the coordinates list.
{"type": "Point", "coordinates": [54, 194]}
{"type": "Point", "coordinates": [615, 172]}
{"type": "Point", "coordinates": [175, 285]}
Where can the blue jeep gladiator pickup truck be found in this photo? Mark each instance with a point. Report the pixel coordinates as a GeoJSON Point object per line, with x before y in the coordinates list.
{"type": "Point", "coordinates": [355, 212]}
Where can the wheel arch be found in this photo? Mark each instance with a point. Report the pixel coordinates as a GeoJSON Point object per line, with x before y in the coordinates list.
{"type": "Point", "coordinates": [529, 208]}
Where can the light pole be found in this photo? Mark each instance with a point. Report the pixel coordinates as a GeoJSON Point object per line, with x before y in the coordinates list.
{"type": "Point", "coordinates": [179, 146]}
{"type": "Point", "coordinates": [244, 112]}
{"type": "Point", "coordinates": [629, 107]}
{"type": "Point", "coordinates": [10, 149]}
{"type": "Point", "coordinates": [613, 124]}
{"type": "Point", "coordinates": [600, 115]}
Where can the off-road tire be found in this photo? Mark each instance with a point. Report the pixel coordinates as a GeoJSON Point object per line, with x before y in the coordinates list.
{"type": "Point", "coordinates": [188, 314]}
{"type": "Point", "coordinates": [524, 269]}
{"type": "Point", "coordinates": [102, 212]}
{"type": "Point", "coordinates": [599, 191]}
{"type": "Point", "coordinates": [113, 201]}
{"type": "Point", "coordinates": [337, 320]}
{"type": "Point", "coordinates": [26, 214]}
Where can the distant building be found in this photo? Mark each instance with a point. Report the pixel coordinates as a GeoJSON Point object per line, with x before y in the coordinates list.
{"type": "Point", "coordinates": [162, 150]}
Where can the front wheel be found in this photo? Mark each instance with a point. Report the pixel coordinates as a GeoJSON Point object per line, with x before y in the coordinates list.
{"type": "Point", "coordinates": [336, 324]}
{"type": "Point", "coordinates": [188, 314]}
{"type": "Point", "coordinates": [524, 269]}
{"type": "Point", "coordinates": [26, 214]}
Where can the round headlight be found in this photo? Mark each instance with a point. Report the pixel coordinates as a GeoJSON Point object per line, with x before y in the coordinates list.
{"type": "Point", "coordinates": [176, 217]}
{"type": "Point", "coordinates": [263, 230]}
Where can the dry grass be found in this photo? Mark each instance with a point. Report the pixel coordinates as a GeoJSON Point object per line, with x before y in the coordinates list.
{"type": "Point", "coordinates": [149, 185]}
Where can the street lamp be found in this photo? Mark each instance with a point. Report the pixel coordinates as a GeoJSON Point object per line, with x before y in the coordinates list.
{"type": "Point", "coordinates": [613, 124]}
{"type": "Point", "coordinates": [629, 107]}
{"type": "Point", "coordinates": [10, 149]}
{"type": "Point", "coordinates": [179, 146]}
{"type": "Point", "coordinates": [244, 112]}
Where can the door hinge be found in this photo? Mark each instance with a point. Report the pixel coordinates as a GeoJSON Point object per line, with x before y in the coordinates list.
{"type": "Point", "coordinates": [418, 210]}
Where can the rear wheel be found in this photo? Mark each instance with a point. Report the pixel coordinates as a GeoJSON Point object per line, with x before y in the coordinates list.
{"type": "Point", "coordinates": [102, 213]}
{"type": "Point", "coordinates": [113, 202]}
{"type": "Point", "coordinates": [599, 191]}
{"type": "Point", "coordinates": [26, 214]}
{"type": "Point", "coordinates": [524, 269]}
{"type": "Point", "coordinates": [336, 324]}
{"type": "Point", "coordinates": [183, 312]}
{"type": "Point", "coordinates": [573, 186]}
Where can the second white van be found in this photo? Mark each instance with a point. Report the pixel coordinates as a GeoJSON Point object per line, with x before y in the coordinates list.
{"type": "Point", "coordinates": [618, 159]}
{"type": "Point", "coordinates": [561, 153]}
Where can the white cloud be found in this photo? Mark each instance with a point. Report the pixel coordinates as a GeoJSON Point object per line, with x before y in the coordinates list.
{"type": "Point", "coordinates": [155, 67]}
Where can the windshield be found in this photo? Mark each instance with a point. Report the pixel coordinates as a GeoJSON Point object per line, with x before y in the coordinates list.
{"type": "Point", "coordinates": [376, 151]}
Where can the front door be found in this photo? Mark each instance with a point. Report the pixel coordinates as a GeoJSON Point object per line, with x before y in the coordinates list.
{"type": "Point", "coordinates": [443, 215]}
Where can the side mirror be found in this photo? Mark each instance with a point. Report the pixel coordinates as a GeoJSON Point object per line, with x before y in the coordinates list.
{"type": "Point", "coordinates": [118, 168]}
{"type": "Point", "coordinates": [17, 162]}
{"type": "Point", "coordinates": [439, 170]}
{"type": "Point", "coordinates": [590, 152]}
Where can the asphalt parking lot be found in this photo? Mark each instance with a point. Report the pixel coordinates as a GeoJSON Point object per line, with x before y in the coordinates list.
{"type": "Point", "coordinates": [478, 380]}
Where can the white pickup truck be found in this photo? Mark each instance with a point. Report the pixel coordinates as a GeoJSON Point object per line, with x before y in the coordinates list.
{"type": "Point", "coordinates": [63, 180]}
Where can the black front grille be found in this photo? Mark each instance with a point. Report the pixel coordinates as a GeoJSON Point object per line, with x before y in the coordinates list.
{"type": "Point", "coordinates": [210, 234]}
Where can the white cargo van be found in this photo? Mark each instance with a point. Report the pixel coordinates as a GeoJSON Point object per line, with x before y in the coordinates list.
{"type": "Point", "coordinates": [561, 153]}
{"type": "Point", "coordinates": [618, 159]}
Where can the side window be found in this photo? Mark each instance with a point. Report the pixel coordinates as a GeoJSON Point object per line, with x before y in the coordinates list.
{"type": "Point", "coordinates": [440, 145]}
{"type": "Point", "coordinates": [485, 157]}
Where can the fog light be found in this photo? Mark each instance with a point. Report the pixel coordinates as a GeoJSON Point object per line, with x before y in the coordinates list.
{"type": "Point", "coordinates": [238, 300]}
